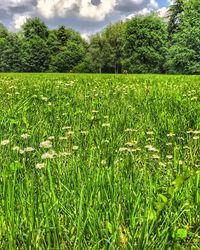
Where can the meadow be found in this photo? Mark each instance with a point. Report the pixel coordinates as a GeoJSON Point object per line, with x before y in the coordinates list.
{"type": "Point", "coordinates": [99, 162]}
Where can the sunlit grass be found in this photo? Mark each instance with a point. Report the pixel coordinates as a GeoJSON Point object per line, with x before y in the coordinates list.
{"type": "Point", "coordinates": [99, 162]}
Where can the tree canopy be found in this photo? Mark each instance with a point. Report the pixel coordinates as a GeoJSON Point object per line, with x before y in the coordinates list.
{"type": "Point", "coordinates": [143, 44]}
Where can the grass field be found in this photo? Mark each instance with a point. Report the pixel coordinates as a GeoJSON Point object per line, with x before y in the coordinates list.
{"type": "Point", "coordinates": [99, 162]}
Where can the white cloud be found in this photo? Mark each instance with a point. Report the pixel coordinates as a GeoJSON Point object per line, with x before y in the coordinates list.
{"type": "Point", "coordinates": [14, 3]}
{"type": "Point", "coordinates": [86, 36]}
{"type": "Point", "coordinates": [143, 12]}
{"type": "Point", "coordinates": [78, 14]}
{"type": "Point", "coordinates": [151, 6]}
{"type": "Point", "coordinates": [171, 2]}
{"type": "Point", "coordinates": [19, 20]}
{"type": "Point", "coordinates": [99, 12]}
{"type": "Point", "coordinates": [82, 8]}
{"type": "Point", "coordinates": [162, 12]}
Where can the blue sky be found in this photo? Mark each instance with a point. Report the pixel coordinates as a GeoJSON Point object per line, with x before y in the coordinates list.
{"type": "Point", "coordinates": [85, 16]}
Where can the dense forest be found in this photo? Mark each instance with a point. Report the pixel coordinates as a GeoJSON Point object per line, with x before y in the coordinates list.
{"type": "Point", "coordinates": [143, 44]}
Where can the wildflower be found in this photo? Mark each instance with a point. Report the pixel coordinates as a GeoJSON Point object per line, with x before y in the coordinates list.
{"type": "Point", "coordinates": [46, 144]}
{"type": "Point", "coordinates": [132, 150]}
{"type": "Point", "coordinates": [150, 132]}
{"type": "Point", "coordinates": [21, 151]}
{"type": "Point", "coordinates": [162, 164]}
{"type": "Point", "coordinates": [28, 149]}
{"type": "Point", "coordinates": [75, 148]}
{"type": "Point", "coordinates": [84, 132]}
{"type": "Point", "coordinates": [95, 111]}
{"type": "Point", "coordinates": [103, 162]}
{"type": "Point", "coordinates": [169, 157]}
{"type": "Point", "coordinates": [40, 165]}
{"type": "Point", "coordinates": [130, 130]}
{"type": "Point", "coordinates": [70, 132]}
{"type": "Point", "coordinates": [25, 136]}
{"type": "Point", "coordinates": [195, 137]}
{"type": "Point", "coordinates": [122, 149]}
{"type": "Point", "coordinates": [64, 154]}
{"type": "Point", "coordinates": [43, 98]}
{"type": "Point", "coordinates": [194, 98]}
{"type": "Point", "coordinates": [155, 157]}
{"type": "Point", "coordinates": [5, 142]}
{"type": "Point", "coordinates": [129, 144]}
{"type": "Point", "coordinates": [49, 155]}
{"type": "Point", "coordinates": [151, 148]}
{"type": "Point", "coordinates": [180, 162]}
{"type": "Point", "coordinates": [66, 128]}
{"type": "Point", "coordinates": [106, 125]}
{"type": "Point", "coordinates": [170, 135]}
{"type": "Point", "coordinates": [105, 141]}
{"type": "Point", "coordinates": [196, 132]}
{"type": "Point", "coordinates": [62, 138]}
{"type": "Point", "coordinates": [16, 148]}
{"type": "Point", "coordinates": [51, 138]}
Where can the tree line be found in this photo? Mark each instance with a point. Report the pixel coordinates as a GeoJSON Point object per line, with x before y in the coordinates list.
{"type": "Point", "coordinates": [143, 44]}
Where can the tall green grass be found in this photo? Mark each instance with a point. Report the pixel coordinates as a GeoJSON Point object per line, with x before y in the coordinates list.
{"type": "Point", "coordinates": [125, 167]}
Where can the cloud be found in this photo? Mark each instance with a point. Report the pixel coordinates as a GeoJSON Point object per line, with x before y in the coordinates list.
{"type": "Point", "coordinates": [96, 10]}
{"type": "Point", "coordinates": [151, 6]}
{"type": "Point", "coordinates": [6, 4]}
{"type": "Point", "coordinates": [163, 12]}
{"type": "Point", "coordinates": [86, 16]}
{"type": "Point", "coordinates": [19, 20]}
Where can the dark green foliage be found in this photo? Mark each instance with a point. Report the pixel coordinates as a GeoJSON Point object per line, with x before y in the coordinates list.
{"type": "Point", "coordinates": [174, 16]}
{"type": "Point", "coordinates": [184, 55]}
{"type": "Point", "coordinates": [67, 49]}
{"type": "Point", "coordinates": [100, 53]}
{"type": "Point", "coordinates": [146, 45]}
{"type": "Point", "coordinates": [3, 31]}
{"type": "Point", "coordinates": [35, 55]}
{"type": "Point", "coordinates": [10, 51]}
{"type": "Point", "coordinates": [68, 58]}
{"type": "Point", "coordinates": [115, 36]}
{"type": "Point", "coordinates": [35, 27]}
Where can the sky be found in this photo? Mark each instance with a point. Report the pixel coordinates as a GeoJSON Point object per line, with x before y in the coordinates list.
{"type": "Point", "coordinates": [85, 16]}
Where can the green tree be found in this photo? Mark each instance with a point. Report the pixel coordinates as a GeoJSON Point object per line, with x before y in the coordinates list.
{"type": "Point", "coordinates": [67, 49]}
{"type": "Point", "coordinates": [115, 37]}
{"type": "Point", "coordinates": [100, 53]}
{"type": "Point", "coordinates": [3, 31]}
{"type": "Point", "coordinates": [35, 55]}
{"type": "Point", "coordinates": [174, 17]}
{"type": "Point", "coordinates": [35, 27]}
{"type": "Point", "coordinates": [184, 55]}
{"type": "Point", "coordinates": [10, 51]}
{"type": "Point", "coordinates": [146, 45]}
{"type": "Point", "coordinates": [68, 58]}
